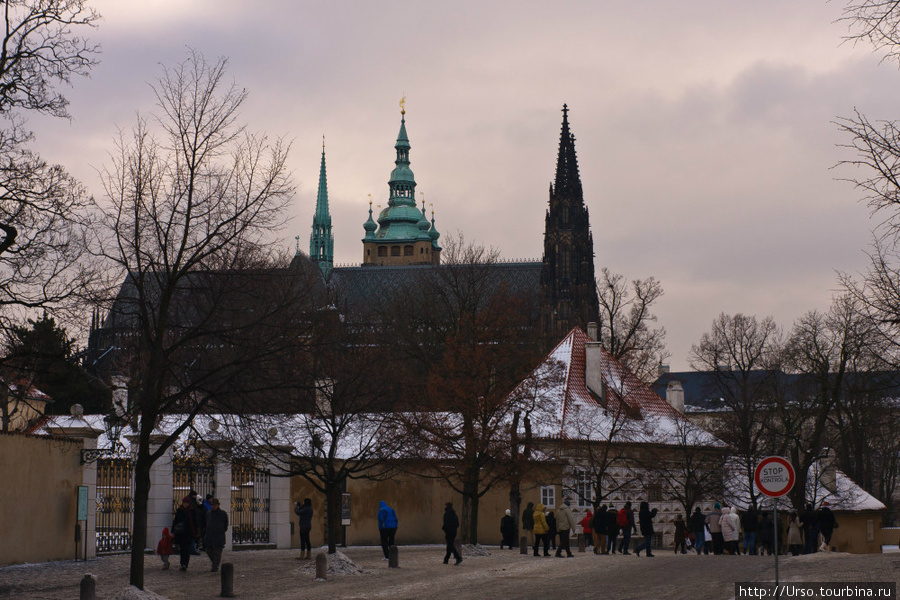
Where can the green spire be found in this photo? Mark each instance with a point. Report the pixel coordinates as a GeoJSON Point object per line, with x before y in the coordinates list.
{"type": "Point", "coordinates": [321, 242]}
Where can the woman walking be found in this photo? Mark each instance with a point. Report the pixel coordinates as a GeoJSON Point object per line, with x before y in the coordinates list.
{"type": "Point", "coordinates": [645, 520]}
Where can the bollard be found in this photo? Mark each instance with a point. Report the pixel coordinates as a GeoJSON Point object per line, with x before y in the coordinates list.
{"type": "Point", "coordinates": [321, 566]}
{"type": "Point", "coordinates": [523, 545]}
{"type": "Point", "coordinates": [88, 587]}
{"type": "Point", "coordinates": [581, 542]}
{"type": "Point", "coordinates": [393, 557]}
{"type": "Point", "coordinates": [227, 580]}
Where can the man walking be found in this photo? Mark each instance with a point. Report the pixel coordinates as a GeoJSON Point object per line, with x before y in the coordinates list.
{"type": "Point", "coordinates": [214, 538]}
{"type": "Point", "coordinates": [387, 527]}
{"type": "Point", "coordinates": [451, 526]}
{"type": "Point", "coordinates": [565, 521]}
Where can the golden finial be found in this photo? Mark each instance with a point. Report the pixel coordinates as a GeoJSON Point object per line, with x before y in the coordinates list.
{"type": "Point", "coordinates": [370, 201]}
{"type": "Point", "coordinates": [323, 143]}
{"type": "Point", "coordinates": [403, 105]}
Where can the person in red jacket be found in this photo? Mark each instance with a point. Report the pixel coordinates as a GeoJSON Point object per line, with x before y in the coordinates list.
{"type": "Point", "coordinates": [586, 524]}
{"type": "Point", "coordinates": [166, 547]}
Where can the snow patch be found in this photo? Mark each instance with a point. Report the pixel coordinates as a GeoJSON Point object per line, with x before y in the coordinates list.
{"type": "Point", "coordinates": [338, 564]}
{"type": "Point", "coordinates": [132, 593]}
{"type": "Point", "coordinates": [475, 550]}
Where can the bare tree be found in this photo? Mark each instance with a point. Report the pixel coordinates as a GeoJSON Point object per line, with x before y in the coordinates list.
{"type": "Point", "coordinates": [467, 335]}
{"type": "Point", "coordinates": [742, 355]}
{"type": "Point", "coordinates": [875, 22]}
{"type": "Point", "coordinates": [42, 208]}
{"type": "Point", "coordinates": [627, 328]}
{"type": "Point", "coordinates": [182, 214]}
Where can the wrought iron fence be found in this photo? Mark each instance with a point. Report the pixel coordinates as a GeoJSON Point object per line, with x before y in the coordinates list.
{"type": "Point", "coordinates": [195, 473]}
{"type": "Point", "coordinates": [115, 504]}
{"type": "Point", "coordinates": [249, 503]}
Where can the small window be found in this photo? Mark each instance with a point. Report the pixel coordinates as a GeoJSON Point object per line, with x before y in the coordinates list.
{"type": "Point", "coordinates": [654, 492]}
{"type": "Point", "coordinates": [583, 489]}
{"type": "Point", "coordinates": [407, 250]}
{"type": "Point", "coordinates": [395, 250]}
{"type": "Point", "coordinates": [382, 251]}
{"type": "Point", "coordinates": [548, 496]}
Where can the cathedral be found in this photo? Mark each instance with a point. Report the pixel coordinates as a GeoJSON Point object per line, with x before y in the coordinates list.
{"type": "Point", "coordinates": [403, 240]}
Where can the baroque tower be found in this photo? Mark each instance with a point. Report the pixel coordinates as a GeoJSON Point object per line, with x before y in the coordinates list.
{"type": "Point", "coordinates": [321, 242]}
{"type": "Point", "coordinates": [403, 234]}
{"type": "Point", "coordinates": [568, 288]}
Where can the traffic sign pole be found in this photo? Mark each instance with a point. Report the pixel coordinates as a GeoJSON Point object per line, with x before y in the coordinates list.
{"type": "Point", "coordinates": [775, 477]}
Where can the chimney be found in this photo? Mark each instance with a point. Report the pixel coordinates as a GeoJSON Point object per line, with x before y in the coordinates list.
{"type": "Point", "coordinates": [827, 473]}
{"type": "Point", "coordinates": [662, 369]}
{"type": "Point", "coordinates": [592, 331]}
{"type": "Point", "coordinates": [593, 375]}
{"type": "Point", "coordinates": [675, 395]}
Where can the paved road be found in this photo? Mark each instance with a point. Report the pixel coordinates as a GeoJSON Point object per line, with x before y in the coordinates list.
{"type": "Point", "coordinates": [275, 574]}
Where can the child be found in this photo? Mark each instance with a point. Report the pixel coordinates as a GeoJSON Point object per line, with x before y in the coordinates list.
{"type": "Point", "coordinates": [166, 547]}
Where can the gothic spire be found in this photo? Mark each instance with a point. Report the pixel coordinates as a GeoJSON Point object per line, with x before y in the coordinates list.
{"type": "Point", "coordinates": [321, 242]}
{"type": "Point", "coordinates": [568, 181]}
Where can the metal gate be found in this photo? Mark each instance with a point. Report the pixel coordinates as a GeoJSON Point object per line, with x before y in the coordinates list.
{"type": "Point", "coordinates": [249, 503]}
{"type": "Point", "coordinates": [195, 473]}
{"type": "Point", "coordinates": [115, 504]}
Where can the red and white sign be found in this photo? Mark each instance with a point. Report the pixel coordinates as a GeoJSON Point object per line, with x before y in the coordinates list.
{"type": "Point", "coordinates": [774, 476]}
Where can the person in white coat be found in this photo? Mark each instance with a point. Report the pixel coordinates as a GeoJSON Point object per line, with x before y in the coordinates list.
{"type": "Point", "coordinates": [731, 529]}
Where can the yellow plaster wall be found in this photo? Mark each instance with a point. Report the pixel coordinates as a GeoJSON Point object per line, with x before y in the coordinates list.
{"type": "Point", "coordinates": [38, 498]}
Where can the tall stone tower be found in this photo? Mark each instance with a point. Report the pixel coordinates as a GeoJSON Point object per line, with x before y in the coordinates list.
{"type": "Point", "coordinates": [321, 242]}
{"type": "Point", "coordinates": [403, 234]}
{"type": "Point", "coordinates": [568, 289]}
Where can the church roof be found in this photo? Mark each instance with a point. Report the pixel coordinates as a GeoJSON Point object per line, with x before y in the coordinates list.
{"type": "Point", "coordinates": [362, 289]}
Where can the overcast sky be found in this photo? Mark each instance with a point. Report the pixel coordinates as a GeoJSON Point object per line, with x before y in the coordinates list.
{"type": "Point", "coordinates": [704, 129]}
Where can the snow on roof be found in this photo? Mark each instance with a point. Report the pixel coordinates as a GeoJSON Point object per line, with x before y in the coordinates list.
{"type": "Point", "coordinates": [31, 392]}
{"type": "Point", "coordinates": [843, 494]}
{"type": "Point", "coordinates": [631, 411]}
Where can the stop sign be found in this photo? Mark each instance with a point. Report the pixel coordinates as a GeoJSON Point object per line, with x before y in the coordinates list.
{"type": "Point", "coordinates": [774, 476]}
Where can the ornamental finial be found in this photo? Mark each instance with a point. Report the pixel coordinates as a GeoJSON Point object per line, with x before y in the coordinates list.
{"type": "Point", "coordinates": [323, 143]}
{"type": "Point", "coordinates": [403, 105]}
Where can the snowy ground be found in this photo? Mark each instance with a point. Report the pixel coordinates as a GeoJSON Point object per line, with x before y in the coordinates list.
{"type": "Point", "coordinates": [361, 572]}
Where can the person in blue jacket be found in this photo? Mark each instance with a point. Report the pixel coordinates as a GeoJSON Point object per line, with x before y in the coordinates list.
{"type": "Point", "coordinates": [387, 526]}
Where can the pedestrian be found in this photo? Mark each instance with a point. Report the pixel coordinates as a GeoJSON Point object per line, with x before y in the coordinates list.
{"type": "Point", "coordinates": [184, 528]}
{"type": "Point", "coordinates": [565, 521]}
{"type": "Point", "coordinates": [645, 517]}
{"type": "Point", "coordinates": [507, 530]}
{"type": "Point", "coordinates": [730, 524]}
{"type": "Point", "coordinates": [612, 528]}
{"type": "Point", "coordinates": [586, 528]}
{"type": "Point", "coordinates": [600, 528]}
{"type": "Point", "coordinates": [827, 524]}
{"type": "Point", "coordinates": [625, 520]}
{"type": "Point", "coordinates": [749, 521]}
{"type": "Point", "coordinates": [765, 533]}
{"type": "Point", "coordinates": [165, 547]}
{"type": "Point", "coordinates": [551, 523]}
{"type": "Point", "coordinates": [715, 529]}
{"type": "Point", "coordinates": [541, 530]}
{"type": "Point", "coordinates": [387, 527]}
{"type": "Point", "coordinates": [206, 503]}
{"type": "Point", "coordinates": [200, 516]}
{"type": "Point", "coordinates": [810, 529]}
{"type": "Point", "coordinates": [697, 523]}
{"type": "Point", "coordinates": [304, 514]}
{"type": "Point", "coordinates": [214, 538]}
{"type": "Point", "coordinates": [794, 534]}
{"type": "Point", "coordinates": [450, 527]}
{"type": "Point", "coordinates": [680, 534]}
{"type": "Point", "coordinates": [528, 523]}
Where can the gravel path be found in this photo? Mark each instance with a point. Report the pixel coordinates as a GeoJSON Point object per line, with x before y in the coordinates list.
{"type": "Point", "coordinates": [276, 574]}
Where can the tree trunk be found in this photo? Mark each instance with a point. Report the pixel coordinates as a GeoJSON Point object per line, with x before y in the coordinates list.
{"type": "Point", "coordinates": [333, 515]}
{"type": "Point", "coordinates": [139, 517]}
{"type": "Point", "coordinates": [470, 510]}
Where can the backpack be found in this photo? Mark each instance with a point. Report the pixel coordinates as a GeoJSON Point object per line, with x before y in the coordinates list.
{"type": "Point", "coordinates": [622, 518]}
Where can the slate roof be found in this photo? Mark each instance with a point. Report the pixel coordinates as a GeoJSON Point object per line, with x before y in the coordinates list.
{"type": "Point", "coordinates": [365, 288]}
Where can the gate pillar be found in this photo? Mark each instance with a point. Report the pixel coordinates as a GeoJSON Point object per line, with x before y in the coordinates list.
{"type": "Point", "coordinates": [77, 427]}
{"type": "Point", "coordinates": [279, 496]}
{"type": "Point", "coordinates": [159, 502]}
{"type": "Point", "coordinates": [223, 481]}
